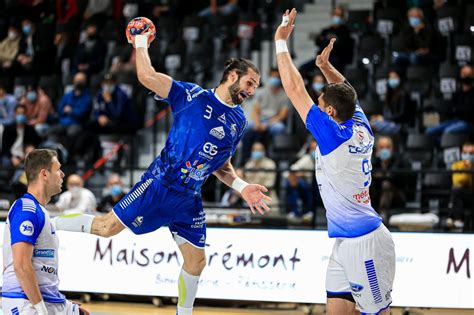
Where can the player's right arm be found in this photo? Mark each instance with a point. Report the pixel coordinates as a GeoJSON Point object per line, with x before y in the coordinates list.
{"type": "Point", "coordinates": [157, 82]}
{"type": "Point", "coordinates": [22, 254]}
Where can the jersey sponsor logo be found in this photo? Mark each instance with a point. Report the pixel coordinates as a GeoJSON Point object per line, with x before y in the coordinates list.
{"type": "Point", "coordinates": [203, 239]}
{"type": "Point", "coordinates": [360, 150]}
{"type": "Point", "coordinates": [44, 253]}
{"type": "Point", "coordinates": [49, 269]}
{"type": "Point", "coordinates": [222, 119]}
{"type": "Point", "coordinates": [190, 96]}
{"type": "Point", "coordinates": [194, 171]}
{"type": "Point", "coordinates": [218, 132]}
{"type": "Point", "coordinates": [362, 197]}
{"type": "Point", "coordinates": [27, 228]}
{"type": "Point", "coordinates": [210, 150]}
{"type": "Point", "coordinates": [138, 221]}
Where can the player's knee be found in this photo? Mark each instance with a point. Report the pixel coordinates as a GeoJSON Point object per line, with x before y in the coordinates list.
{"type": "Point", "coordinates": [196, 265]}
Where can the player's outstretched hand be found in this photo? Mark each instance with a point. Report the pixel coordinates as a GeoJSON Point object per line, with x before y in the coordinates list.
{"type": "Point", "coordinates": [287, 25]}
{"type": "Point", "coordinates": [323, 58]}
{"type": "Point", "coordinates": [254, 195]}
{"type": "Point", "coordinates": [131, 39]}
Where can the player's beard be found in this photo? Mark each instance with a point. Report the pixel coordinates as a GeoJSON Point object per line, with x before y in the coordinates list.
{"type": "Point", "coordinates": [234, 92]}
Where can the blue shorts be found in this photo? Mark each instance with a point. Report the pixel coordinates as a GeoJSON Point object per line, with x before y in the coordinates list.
{"type": "Point", "coordinates": [150, 205]}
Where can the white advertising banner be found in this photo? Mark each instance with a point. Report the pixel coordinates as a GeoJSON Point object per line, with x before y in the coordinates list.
{"type": "Point", "coordinates": [433, 270]}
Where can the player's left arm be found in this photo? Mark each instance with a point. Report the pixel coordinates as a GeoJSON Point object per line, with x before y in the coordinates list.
{"type": "Point", "coordinates": [290, 77]}
{"type": "Point", "coordinates": [253, 194]}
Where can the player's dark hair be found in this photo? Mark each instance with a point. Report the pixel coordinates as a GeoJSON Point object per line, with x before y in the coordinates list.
{"type": "Point", "coordinates": [342, 97]}
{"type": "Point", "coordinates": [239, 65]}
{"type": "Point", "coordinates": [37, 160]}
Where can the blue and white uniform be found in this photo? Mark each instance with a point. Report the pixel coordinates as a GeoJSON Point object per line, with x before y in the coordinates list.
{"type": "Point", "coordinates": [204, 135]}
{"type": "Point", "coordinates": [363, 258]}
{"type": "Point", "coordinates": [29, 222]}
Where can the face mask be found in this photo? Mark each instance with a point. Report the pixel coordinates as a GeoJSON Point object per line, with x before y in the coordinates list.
{"type": "Point", "coordinates": [115, 190]}
{"type": "Point", "coordinates": [318, 86]}
{"type": "Point", "coordinates": [75, 191]}
{"type": "Point", "coordinates": [467, 80]}
{"type": "Point", "coordinates": [468, 156]}
{"type": "Point", "coordinates": [20, 118]}
{"type": "Point", "coordinates": [274, 82]}
{"type": "Point", "coordinates": [26, 29]}
{"type": "Point", "coordinates": [385, 154]}
{"type": "Point", "coordinates": [79, 86]}
{"type": "Point", "coordinates": [393, 83]}
{"type": "Point", "coordinates": [414, 21]}
{"type": "Point", "coordinates": [257, 155]}
{"type": "Point", "coordinates": [108, 88]}
{"type": "Point", "coordinates": [31, 96]}
{"type": "Point", "coordinates": [336, 20]}
{"type": "Point", "coordinates": [12, 35]}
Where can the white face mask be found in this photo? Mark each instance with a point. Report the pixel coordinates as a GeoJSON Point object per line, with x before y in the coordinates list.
{"type": "Point", "coordinates": [12, 35]}
{"type": "Point", "coordinates": [75, 191]}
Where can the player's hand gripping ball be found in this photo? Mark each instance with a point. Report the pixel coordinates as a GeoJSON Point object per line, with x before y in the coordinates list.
{"type": "Point", "coordinates": [140, 25]}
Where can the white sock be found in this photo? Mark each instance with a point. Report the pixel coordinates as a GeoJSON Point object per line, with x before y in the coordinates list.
{"type": "Point", "coordinates": [187, 287]}
{"type": "Point", "coordinates": [74, 222]}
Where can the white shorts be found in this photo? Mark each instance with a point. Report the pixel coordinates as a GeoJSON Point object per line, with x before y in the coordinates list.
{"type": "Point", "coordinates": [364, 266]}
{"type": "Point", "coordinates": [24, 307]}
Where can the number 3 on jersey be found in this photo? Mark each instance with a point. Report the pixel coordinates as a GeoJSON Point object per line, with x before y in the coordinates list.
{"type": "Point", "coordinates": [208, 112]}
{"type": "Point", "coordinates": [367, 169]}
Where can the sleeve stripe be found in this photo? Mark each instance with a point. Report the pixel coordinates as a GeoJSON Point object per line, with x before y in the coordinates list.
{"type": "Point", "coordinates": [28, 205]}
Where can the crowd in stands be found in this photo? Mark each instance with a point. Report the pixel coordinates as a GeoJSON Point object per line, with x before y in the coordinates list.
{"type": "Point", "coordinates": [67, 76]}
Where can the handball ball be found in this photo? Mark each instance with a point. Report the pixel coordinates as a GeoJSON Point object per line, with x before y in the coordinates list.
{"type": "Point", "coordinates": [140, 25]}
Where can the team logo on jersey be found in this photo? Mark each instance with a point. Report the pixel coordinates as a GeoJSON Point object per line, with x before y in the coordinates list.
{"type": "Point", "coordinates": [360, 136]}
{"type": "Point", "coordinates": [138, 221]}
{"type": "Point", "coordinates": [194, 171]}
{"type": "Point", "coordinates": [221, 118]}
{"type": "Point", "coordinates": [27, 228]}
{"type": "Point", "coordinates": [233, 130]}
{"type": "Point", "coordinates": [203, 239]}
{"type": "Point", "coordinates": [218, 132]}
{"type": "Point", "coordinates": [210, 150]}
{"type": "Point", "coordinates": [356, 287]}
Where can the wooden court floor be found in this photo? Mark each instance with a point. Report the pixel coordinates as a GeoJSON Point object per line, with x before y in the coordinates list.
{"type": "Point", "coordinates": [117, 308]}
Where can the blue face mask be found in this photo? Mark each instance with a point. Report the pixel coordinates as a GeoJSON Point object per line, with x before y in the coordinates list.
{"type": "Point", "coordinates": [20, 118]}
{"type": "Point", "coordinates": [385, 154]}
{"type": "Point", "coordinates": [26, 29]}
{"type": "Point", "coordinates": [257, 155]}
{"type": "Point", "coordinates": [414, 21]}
{"type": "Point", "coordinates": [115, 190]}
{"type": "Point", "coordinates": [468, 156]}
{"type": "Point", "coordinates": [336, 20]}
{"type": "Point", "coordinates": [31, 96]}
{"type": "Point", "coordinates": [318, 86]}
{"type": "Point", "coordinates": [393, 83]}
{"type": "Point", "coordinates": [274, 82]}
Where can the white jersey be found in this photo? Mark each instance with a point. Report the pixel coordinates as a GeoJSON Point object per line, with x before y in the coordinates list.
{"type": "Point", "coordinates": [343, 172]}
{"type": "Point", "coordinates": [29, 222]}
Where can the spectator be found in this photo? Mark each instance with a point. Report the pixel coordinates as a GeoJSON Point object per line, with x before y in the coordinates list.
{"type": "Point", "coordinates": [460, 119]}
{"type": "Point", "coordinates": [73, 110]}
{"type": "Point", "coordinates": [38, 108]}
{"type": "Point", "coordinates": [90, 55]}
{"type": "Point", "coordinates": [318, 82]}
{"type": "Point", "coordinates": [262, 170]}
{"type": "Point", "coordinates": [341, 54]}
{"type": "Point", "coordinates": [398, 110]}
{"type": "Point", "coordinates": [7, 106]}
{"type": "Point", "coordinates": [16, 137]}
{"type": "Point", "coordinates": [28, 47]}
{"type": "Point", "coordinates": [113, 111]}
{"type": "Point", "coordinates": [114, 192]}
{"type": "Point", "coordinates": [223, 7]}
{"type": "Point", "coordinates": [9, 48]}
{"type": "Point", "coordinates": [76, 199]}
{"type": "Point", "coordinates": [386, 187]}
{"type": "Point", "coordinates": [418, 41]}
{"type": "Point", "coordinates": [306, 163]}
{"type": "Point", "coordinates": [269, 113]}
{"type": "Point", "coordinates": [463, 187]}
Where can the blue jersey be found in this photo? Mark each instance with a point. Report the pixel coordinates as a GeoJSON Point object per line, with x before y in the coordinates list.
{"type": "Point", "coordinates": [204, 135]}
{"type": "Point", "coordinates": [343, 171]}
{"type": "Point", "coordinates": [29, 222]}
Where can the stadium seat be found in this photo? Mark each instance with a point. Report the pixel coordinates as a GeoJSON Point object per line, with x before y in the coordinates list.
{"type": "Point", "coordinates": [387, 21]}
{"type": "Point", "coordinates": [284, 147]}
{"type": "Point", "coordinates": [419, 150]}
{"type": "Point", "coordinates": [358, 21]}
{"type": "Point", "coordinates": [463, 48]}
{"type": "Point", "coordinates": [469, 19]}
{"type": "Point", "coordinates": [371, 47]}
{"type": "Point", "coordinates": [453, 140]}
{"type": "Point", "coordinates": [419, 79]}
{"type": "Point", "coordinates": [448, 19]}
{"type": "Point", "coordinates": [380, 77]}
{"type": "Point", "coordinates": [447, 79]}
{"type": "Point", "coordinates": [358, 79]}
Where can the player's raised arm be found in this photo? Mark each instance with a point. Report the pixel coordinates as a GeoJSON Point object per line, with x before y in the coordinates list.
{"type": "Point", "coordinates": [290, 77]}
{"type": "Point", "coordinates": [157, 82]}
{"type": "Point", "coordinates": [322, 62]}
{"type": "Point", "coordinates": [253, 194]}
